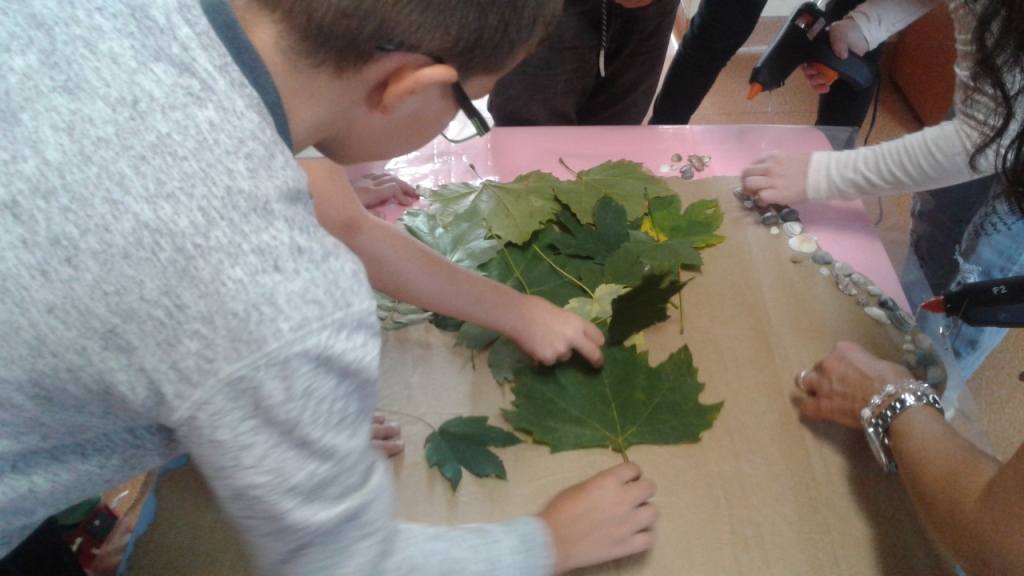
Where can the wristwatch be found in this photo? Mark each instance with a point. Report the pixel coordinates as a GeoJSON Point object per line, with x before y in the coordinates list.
{"type": "Point", "coordinates": [900, 397]}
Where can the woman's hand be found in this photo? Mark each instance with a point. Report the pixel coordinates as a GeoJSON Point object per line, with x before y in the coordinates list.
{"type": "Point", "coordinates": [842, 384]}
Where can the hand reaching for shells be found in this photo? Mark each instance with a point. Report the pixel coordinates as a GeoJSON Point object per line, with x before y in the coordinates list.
{"type": "Point", "coordinates": [843, 383]}
{"type": "Point", "coordinates": [778, 178]}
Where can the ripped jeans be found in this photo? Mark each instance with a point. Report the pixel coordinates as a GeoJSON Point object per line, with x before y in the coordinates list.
{"type": "Point", "coordinates": [963, 233]}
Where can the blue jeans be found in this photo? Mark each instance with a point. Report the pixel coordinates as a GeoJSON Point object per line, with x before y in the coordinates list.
{"type": "Point", "coordinates": [963, 233]}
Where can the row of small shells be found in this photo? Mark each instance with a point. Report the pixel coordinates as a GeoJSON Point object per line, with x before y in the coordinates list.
{"type": "Point", "coordinates": [919, 351]}
{"type": "Point", "coordinates": [696, 162]}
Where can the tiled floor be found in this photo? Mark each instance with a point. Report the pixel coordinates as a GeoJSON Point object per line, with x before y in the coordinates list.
{"type": "Point", "coordinates": [996, 388]}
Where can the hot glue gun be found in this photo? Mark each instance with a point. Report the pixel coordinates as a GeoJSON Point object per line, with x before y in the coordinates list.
{"type": "Point", "coordinates": [988, 303]}
{"type": "Point", "coordinates": [804, 40]}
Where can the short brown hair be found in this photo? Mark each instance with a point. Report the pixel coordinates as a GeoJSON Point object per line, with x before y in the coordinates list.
{"type": "Point", "coordinates": [474, 36]}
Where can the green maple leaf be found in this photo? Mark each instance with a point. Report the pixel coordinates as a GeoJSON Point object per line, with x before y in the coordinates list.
{"type": "Point", "coordinates": [463, 442]}
{"type": "Point", "coordinates": [512, 211]}
{"type": "Point", "coordinates": [598, 308]}
{"type": "Point", "coordinates": [640, 258]}
{"type": "Point", "coordinates": [532, 270]}
{"type": "Point", "coordinates": [625, 403]}
{"type": "Point", "coordinates": [462, 240]}
{"type": "Point", "coordinates": [697, 223]}
{"type": "Point", "coordinates": [504, 358]}
{"type": "Point", "coordinates": [642, 307]}
{"type": "Point", "coordinates": [624, 181]}
{"type": "Point", "coordinates": [609, 232]}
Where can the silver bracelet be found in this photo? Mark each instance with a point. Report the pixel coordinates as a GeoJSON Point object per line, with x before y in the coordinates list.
{"type": "Point", "coordinates": [896, 398]}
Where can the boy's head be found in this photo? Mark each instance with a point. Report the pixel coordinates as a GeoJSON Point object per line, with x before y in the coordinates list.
{"type": "Point", "coordinates": [397, 61]}
{"type": "Point", "coordinates": [474, 36]}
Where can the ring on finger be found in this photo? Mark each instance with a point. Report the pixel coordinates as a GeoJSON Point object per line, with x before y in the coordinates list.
{"type": "Point", "coordinates": [800, 380]}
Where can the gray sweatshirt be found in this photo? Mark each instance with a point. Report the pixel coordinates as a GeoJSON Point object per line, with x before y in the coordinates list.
{"type": "Point", "coordinates": [164, 288]}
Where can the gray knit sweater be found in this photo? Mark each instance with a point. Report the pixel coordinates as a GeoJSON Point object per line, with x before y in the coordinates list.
{"type": "Point", "coordinates": [164, 288]}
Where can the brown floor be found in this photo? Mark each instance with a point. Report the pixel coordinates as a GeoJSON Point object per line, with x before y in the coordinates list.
{"type": "Point", "coordinates": [996, 388]}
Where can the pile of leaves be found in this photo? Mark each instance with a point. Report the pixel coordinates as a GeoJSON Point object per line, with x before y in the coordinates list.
{"type": "Point", "coordinates": [609, 246]}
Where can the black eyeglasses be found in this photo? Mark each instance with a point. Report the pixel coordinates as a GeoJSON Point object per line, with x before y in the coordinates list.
{"type": "Point", "coordinates": [476, 118]}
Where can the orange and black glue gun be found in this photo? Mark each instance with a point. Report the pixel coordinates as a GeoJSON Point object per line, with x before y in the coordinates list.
{"type": "Point", "coordinates": [804, 40]}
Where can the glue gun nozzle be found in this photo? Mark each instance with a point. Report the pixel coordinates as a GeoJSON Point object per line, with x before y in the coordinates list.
{"type": "Point", "coordinates": [936, 304]}
{"type": "Point", "coordinates": [755, 89]}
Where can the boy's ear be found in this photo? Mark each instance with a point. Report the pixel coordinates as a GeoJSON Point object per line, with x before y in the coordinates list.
{"type": "Point", "coordinates": [405, 81]}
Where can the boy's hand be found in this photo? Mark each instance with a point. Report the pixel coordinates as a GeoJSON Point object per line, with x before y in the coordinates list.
{"type": "Point", "coordinates": [606, 517]}
{"type": "Point", "coordinates": [778, 178]}
{"type": "Point", "coordinates": [387, 436]}
{"type": "Point", "coordinates": [379, 188]}
{"type": "Point", "coordinates": [845, 37]}
{"type": "Point", "coordinates": [550, 334]}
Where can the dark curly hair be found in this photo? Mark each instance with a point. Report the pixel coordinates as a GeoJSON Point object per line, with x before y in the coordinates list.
{"type": "Point", "coordinates": [999, 47]}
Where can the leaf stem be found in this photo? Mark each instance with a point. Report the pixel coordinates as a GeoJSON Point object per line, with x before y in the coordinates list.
{"type": "Point", "coordinates": [515, 270]}
{"type": "Point", "coordinates": [562, 272]}
{"type": "Point", "coordinates": [562, 162]}
{"type": "Point", "coordinates": [407, 415]}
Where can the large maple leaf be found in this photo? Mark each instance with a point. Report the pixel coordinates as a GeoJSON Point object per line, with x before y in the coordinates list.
{"type": "Point", "coordinates": [625, 403]}
{"type": "Point", "coordinates": [624, 181]}
{"type": "Point", "coordinates": [512, 211]}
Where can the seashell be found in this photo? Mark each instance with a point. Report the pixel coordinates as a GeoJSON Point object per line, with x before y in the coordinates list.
{"type": "Point", "coordinates": [792, 228]}
{"type": "Point", "coordinates": [922, 340]}
{"type": "Point", "coordinates": [847, 287]}
{"type": "Point", "coordinates": [877, 314]}
{"type": "Point", "coordinates": [804, 243]}
{"type": "Point", "coordinates": [824, 271]}
{"type": "Point", "coordinates": [888, 304]}
{"type": "Point", "coordinates": [748, 203]}
{"type": "Point", "coordinates": [774, 230]}
{"type": "Point", "coordinates": [842, 269]}
{"type": "Point", "coordinates": [822, 257]}
{"type": "Point", "coordinates": [798, 257]}
{"type": "Point", "coordinates": [741, 195]}
{"type": "Point", "coordinates": [902, 320]}
{"type": "Point", "coordinates": [909, 361]}
{"type": "Point", "coordinates": [664, 168]}
{"type": "Point", "coordinates": [907, 338]}
{"type": "Point", "coordinates": [874, 290]}
{"type": "Point", "coordinates": [769, 218]}
{"type": "Point", "coordinates": [935, 375]}
{"type": "Point", "coordinates": [677, 157]}
{"type": "Point", "coordinates": [699, 161]}
{"type": "Point", "coordinates": [686, 172]}
{"type": "Point", "coordinates": [859, 280]}
{"type": "Point", "coordinates": [789, 215]}
{"type": "Point", "coordinates": [673, 168]}
{"type": "Point", "coordinates": [862, 301]}
{"type": "Point", "coordinates": [909, 347]}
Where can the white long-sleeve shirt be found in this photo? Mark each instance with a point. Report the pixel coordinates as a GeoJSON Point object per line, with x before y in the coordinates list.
{"type": "Point", "coordinates": [931, 158]}
{"type": "Point", "coordinates": [165, 288]}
